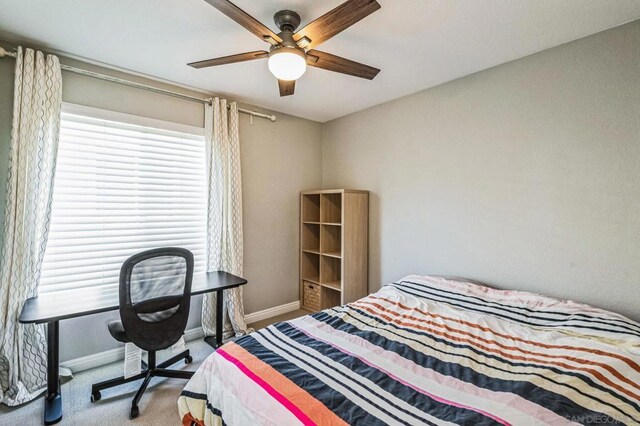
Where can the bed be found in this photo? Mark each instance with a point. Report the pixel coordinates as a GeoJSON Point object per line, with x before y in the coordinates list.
{"type": "Point", "coordinates": [427, 350]}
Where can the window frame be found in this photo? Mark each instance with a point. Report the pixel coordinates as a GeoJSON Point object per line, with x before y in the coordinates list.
{"type": "Point", "coordinates": [131, 119]}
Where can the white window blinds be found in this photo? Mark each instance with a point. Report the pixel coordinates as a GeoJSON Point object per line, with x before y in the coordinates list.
{"type": "Point", "coordinates": [121, 188]}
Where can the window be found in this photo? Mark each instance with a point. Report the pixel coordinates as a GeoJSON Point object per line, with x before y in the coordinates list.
{"type": "Point", "coordinates": [123, 184]}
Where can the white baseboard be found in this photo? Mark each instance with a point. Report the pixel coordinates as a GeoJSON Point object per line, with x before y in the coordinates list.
{"type": "Point", "coordinates": [272, 312]}
{"type": "Point", "coordinates": [113, 355]}
{"type": "Point", "coordinates": [92, 361]}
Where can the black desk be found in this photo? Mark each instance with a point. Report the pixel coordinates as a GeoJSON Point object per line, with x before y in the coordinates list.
{"type": "Point", "coordinates": [50, 308]}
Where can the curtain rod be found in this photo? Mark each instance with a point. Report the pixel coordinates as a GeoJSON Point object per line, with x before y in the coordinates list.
{"type": "Point", "coordinates": [141, 86]}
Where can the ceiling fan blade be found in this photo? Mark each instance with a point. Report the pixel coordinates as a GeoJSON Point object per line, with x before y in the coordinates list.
{"type": "Point", "coordinates": [243, 18]}
{"type": "Point", "coordinates": [240, 57]}
{"type": "Point", "coordinates": [287, 87]}
{"type": "Point", "coordinates": [336, 20]}
{"type": "Point", "coordinates": [327, 61]}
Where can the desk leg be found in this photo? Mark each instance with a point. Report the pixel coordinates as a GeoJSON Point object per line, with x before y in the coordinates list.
{"type": "Point", "coordinates": [219, 318]}
{"type": "Point", "coordinates": [53, 398]}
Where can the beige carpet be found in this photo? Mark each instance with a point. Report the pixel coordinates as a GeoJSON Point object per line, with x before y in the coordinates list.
{"type": "Point", "coordinates": [157, 407]}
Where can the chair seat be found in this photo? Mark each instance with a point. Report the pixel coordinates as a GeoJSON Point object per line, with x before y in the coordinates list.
{"type": "Point", "coordinates": [117, 331]}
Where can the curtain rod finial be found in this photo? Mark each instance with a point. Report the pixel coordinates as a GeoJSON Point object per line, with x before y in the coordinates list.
{"type": "Point", "coordinates": [4, 52]}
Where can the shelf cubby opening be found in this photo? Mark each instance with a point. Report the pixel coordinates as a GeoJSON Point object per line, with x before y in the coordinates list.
{"type": "Point", "coordinates": [331, 208]}
{"type": "Point", "coordinates": [334, 285]}
{"type": "Point", "coordinates": [331, 240]}
{"type": "Point", "coordinates": [310, 267]}
{"type": "Point", "coordinates": [330, 298]}
{"type": "Point", "coordinates": [311, 208]}
{"type": "Point", "coordinates": [311, 237]}
{"type": "Point", "coordinates": [330, 271]}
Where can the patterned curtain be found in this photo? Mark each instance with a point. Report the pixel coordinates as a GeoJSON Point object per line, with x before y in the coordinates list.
{"type": "Point", "coordinates": [224, 214]}
{"type": "Point", "coordinates": [32, 158]}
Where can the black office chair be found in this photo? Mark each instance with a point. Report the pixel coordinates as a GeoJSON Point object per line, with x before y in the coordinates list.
{"type": "Point", "coordinates": [155, 294]}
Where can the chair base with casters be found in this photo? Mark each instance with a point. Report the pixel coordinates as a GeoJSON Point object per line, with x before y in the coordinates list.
{"type": "Point", "coordinates": [149, 370]}
{"type": "Point", "coordinates": [155, 294]}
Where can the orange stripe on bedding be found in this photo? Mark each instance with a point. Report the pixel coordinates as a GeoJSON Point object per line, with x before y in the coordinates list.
{"type": "Point", "coordinates": [317, 412]}
{"type": "Point", "coordinates": [189, 420]}
{"type": "Point", "coordinates": [626, 360]}
{"type": "Point", "coordinates": [389, 316]}
{"type": "Point", "coordinates": [448, 329]}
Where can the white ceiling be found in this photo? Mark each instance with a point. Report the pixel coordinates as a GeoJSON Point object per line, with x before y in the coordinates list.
{"type": "Point", "coordinates": [416, 43]}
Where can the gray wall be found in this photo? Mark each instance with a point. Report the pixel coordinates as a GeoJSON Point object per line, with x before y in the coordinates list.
{"type": "Point", "coordinates": [278, 161]}
{"type": "Point", "coordinates": [526, 175]}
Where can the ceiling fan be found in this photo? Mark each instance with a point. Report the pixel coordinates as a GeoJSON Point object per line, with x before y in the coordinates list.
{"type": "Point", "coordinates": [291, 51]}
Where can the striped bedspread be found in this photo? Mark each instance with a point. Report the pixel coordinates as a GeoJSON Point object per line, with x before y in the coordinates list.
{"type": "Point", "coordinates": [426, 350]}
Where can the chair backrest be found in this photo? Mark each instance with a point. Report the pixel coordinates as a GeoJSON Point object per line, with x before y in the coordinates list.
{"type": "Point", "coordinates": [155, 295]}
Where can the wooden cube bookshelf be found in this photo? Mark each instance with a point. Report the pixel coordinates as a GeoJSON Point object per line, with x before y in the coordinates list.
{"type": "Point", "coordinates": [334, 240]}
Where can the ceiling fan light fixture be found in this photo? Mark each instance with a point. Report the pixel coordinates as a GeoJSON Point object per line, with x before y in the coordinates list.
{"type": "Point", "coordinates": [287, 63]}
{"type": "Point", "coordinates": [288, 53]}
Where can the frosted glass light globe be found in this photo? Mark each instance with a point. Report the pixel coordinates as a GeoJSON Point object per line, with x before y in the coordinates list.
{"type": "Point", "coordinates": [287, 64]}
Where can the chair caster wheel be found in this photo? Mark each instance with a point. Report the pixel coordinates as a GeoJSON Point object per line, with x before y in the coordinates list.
{"type": "Point", "coordinates": [188, 359]}
{"type": "Point", "coordinates": [95, 396]}
{"type": "Point", "coordinates": [135, 412]}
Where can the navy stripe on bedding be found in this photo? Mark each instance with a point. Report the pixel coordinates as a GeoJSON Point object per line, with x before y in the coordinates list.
{"type": "Point", "coordinates": [505, 311]}
{"type": "Point", "coordinates": [330, 397]}
{"type": "Point", "coordinates": [360, 370]}
{"type": "Point", "coordinates": [554, 401]}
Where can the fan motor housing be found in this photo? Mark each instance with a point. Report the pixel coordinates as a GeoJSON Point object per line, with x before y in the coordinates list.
{"type": "Point", "coordinates": [286, 20]}
{"type": "Point", "coordinates": [287, 41]}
